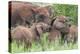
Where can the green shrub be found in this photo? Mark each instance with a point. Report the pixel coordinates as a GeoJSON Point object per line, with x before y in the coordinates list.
{"type": "Point", "coordinates": [67, 10]}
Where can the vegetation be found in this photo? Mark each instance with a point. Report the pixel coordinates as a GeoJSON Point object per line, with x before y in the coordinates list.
{"type": "Point", "coordinates": [43, 45]}
{"type": "Point", "coordinates": [70, 11]}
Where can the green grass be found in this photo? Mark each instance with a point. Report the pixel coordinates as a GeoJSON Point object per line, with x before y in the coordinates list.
{"type": "Point", "coordinates": [43, 45]}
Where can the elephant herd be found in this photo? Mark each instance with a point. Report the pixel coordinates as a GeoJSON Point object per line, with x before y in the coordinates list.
{"type": "Point", "coordinates": [29, 22]}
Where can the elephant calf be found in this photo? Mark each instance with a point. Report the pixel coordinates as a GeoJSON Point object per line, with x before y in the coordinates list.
{"type": "Point", "coordinates": [54, 35]}
{"type": "Point", "coordinates": [72, 35]}
{"type": "Point", "coordinates": [27, 35]}
{"type": "Point", "coordinates": [21, 34]}
{"type": "Point", "coordinates": [59, 27]}
{"type": "Point", "coordinates": [61, 23]}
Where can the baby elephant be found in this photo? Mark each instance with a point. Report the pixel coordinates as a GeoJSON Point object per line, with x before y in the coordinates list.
{"type": "Point", "coordinates": [60, 22]}
{"type": "Point", "coordinates": [27, 35]}
{"type": "Point", "coordinates": [21, 34]}
{"type": "Point", "coordinates": [59, 25]}
{"type": "Point", "coordinates": [72, 35]}
{"type": "Point", "coordinates": [54, 35]}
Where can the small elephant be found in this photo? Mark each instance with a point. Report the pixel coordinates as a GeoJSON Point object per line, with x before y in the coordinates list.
{"type": "Point", "coordinates": [28, 35]}
{"type": "Point", "coordinates": [60, 22]}
{"type": "Point", "coordinates": [54, 35]}
{"type": "Point", "coordinates": [21, 34]}
{"type": "Point", "coordinates": [72, 35]}
{"type": "Point", "coordinates": [59, 25]}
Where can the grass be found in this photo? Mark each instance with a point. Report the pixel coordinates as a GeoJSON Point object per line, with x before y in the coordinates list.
{"type": "Point", "coordinates": [43, 45]}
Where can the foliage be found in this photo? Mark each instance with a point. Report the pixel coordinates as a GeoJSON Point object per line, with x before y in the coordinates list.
{"type": "Point", "coordinates": [70, 11]}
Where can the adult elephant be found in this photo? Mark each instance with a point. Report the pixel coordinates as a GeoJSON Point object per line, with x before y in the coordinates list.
{"type": "Point", "coordinates": [44, 14]}
{"type": "Point", "coordinates": [26, 13]}
{"type": "Point", "coordinates": [21, 13]}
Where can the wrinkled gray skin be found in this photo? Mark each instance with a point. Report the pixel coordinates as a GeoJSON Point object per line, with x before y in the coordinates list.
{"type": "Point", "coordinates": [28, 35]}
{"type": "Point", "coordinates": [24, 13]}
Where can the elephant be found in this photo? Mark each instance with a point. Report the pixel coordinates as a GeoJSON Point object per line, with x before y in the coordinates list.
{"type": "Point", "coordinates": [54, 35]}
{"type": "Point", "coordinates": [24, 13]}
{"type": "Point", "coordinates": [28, 35]}
{"type": "Point", "coordinates": [61, 24]}
{"type": "Point", "coordinates": [43, 14]}
{"type": "Point", "coordinates": [72, 35]}
{"type": "Point", "coordinates": [21, 12]}
{"type": "Point", "coordinates": [20, 35]}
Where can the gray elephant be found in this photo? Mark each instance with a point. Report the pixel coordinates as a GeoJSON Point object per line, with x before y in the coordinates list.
{"type": "Point", "coordinates": [54, 35]}
{"type": "Point", "coordinates": [60, 23]}
{"type": "Point", "coordinates": [21, 13]}
{"type": "Point", "coordinates": [24, 13]}
{"type": "Point", "coordinates": [72, 35]}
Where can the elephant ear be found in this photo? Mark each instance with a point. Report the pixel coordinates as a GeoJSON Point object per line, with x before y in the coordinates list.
{"type": "Point", "coordinates": [34, 10]}
{"type": "Point", "coordinates": [52, 21]}
{"type": "Point", "coordinates": [39, 30]}
{"type": "Point", "coordinates": [51, 10]}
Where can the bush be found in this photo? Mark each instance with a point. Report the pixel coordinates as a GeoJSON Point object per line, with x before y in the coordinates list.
{"type": "Point", "coordinates": [70, 11]}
